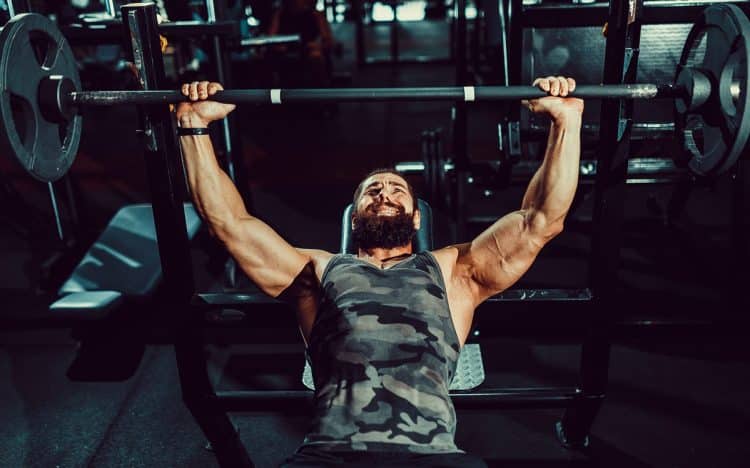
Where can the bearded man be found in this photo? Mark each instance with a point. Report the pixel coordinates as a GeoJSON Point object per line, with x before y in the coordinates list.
{"type": "Point", "coordinates": [384, 328]}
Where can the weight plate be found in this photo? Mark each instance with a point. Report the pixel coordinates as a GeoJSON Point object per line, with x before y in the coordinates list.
{"type": "Point", "coordinates": [715, 135]}
{"type": "Point", "coordinates": [32, 49]}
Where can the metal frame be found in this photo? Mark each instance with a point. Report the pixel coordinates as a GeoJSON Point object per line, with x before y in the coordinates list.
{"type": "Point", "coordinates": [167, 182]}
{"type": "Point", "coordinates": [620, 66]}
{"type": "Point", "coordinates": [359, 36]}
{"type": "Point", "coordinates": [18, 6]}
{"type": "Point", "coordinates": [113, 32]}
{"type": "Point", "coordinates": [220, 32]}
{"type": "Point", "coordinates": [611, 177]}
{"type": "Point", "coordinates": [595, 14]}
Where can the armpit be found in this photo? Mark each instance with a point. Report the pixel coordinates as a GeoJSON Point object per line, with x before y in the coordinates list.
{"type": "Point", "coordinates": [305, 284]}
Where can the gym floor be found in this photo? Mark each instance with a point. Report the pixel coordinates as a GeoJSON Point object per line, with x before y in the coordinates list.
{"type": "Point", "coordinates": [676, 398]}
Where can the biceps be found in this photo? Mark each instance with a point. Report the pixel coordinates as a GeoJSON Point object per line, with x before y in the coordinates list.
{"type": "Point", "coordinates": [269, 260]}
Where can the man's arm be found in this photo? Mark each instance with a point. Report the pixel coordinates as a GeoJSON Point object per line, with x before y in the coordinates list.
{"type": "Point", "coordinates": [271, 262]}
{"type": "Point", "coordinates": [500, 255]}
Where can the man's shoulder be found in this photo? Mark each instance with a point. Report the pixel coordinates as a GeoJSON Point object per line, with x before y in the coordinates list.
{"type": "Point", "coordinates": [454, 261]}
{"type": "Point", "coordinates": [450, 253]}
{"type": "Point", "coordinates": [316, 253]}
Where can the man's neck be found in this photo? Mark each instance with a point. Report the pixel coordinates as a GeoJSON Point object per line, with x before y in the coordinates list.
{"type": "Point", "coordinates": [379, 255]}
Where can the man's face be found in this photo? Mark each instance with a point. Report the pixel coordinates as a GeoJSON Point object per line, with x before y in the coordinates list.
{"type": "Point", "coordinates": [384, 216]}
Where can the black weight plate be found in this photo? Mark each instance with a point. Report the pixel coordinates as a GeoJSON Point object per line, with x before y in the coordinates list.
{"type": "Point", "coordinates": [31, 49]}
{"type": "Point", "coordinates": [716, 134]}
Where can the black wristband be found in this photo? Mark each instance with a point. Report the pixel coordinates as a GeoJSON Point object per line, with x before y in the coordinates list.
{"type": "Point", "coordinates": [183, 131]}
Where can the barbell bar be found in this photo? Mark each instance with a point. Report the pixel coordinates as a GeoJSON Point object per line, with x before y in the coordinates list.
{"type": "Point", "coordinates": [40, 93]}
{"type": "Point", "coordinates": [338, 95]}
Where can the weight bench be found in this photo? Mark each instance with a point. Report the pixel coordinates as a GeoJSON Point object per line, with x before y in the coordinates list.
{"type": "Point", "coordinates": [121, 268]}
{"type": "Point", "coordinates": [121, 265]}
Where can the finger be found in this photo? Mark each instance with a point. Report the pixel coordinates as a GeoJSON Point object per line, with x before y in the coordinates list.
{"type": "Point", "coordinates": [563, 85]}
{"type": "Point", "coordinates": [543, 83]}
{"type": "Point", "coordinates": [571, 85]}
{"type": "Point", "coordinates": [203, 89]}
{"type": "Point", "coordinates": [554, 87]}
{"type": "Point", "coordinates": [186, 89]}
{"type": "Point", "coordinates": [213, 87]}
{"type": "Point", "coordinates": [194, 91]}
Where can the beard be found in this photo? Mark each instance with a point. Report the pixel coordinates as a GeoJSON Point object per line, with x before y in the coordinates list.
{"type": "Point", "coordinates": [370, 230]}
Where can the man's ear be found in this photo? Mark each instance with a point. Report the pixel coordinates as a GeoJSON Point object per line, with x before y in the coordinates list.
{"type": "Point", "coordinates": [417, 220]}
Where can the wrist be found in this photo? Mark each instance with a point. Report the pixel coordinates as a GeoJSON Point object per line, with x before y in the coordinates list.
{"type": "Point", "coordinates": [568, 122]}
{"type": "Point", "coordinates": [191, 120]}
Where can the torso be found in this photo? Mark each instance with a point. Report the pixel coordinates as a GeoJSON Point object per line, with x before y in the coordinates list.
{"type": "Point", "coordinates": [458, 288]}
{"type": "Point", "coordinates": [383, 350]}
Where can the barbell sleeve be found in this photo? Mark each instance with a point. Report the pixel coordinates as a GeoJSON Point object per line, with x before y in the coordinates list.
{"type": "Point", "coordinates": [455, 93]}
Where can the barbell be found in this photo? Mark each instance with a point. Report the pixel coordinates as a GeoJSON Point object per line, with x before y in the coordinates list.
{"type": "Point", "coordinates": [41, 94]}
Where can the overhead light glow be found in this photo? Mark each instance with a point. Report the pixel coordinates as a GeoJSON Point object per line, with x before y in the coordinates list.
{"type": "Point", "coordinates": [409, 11]}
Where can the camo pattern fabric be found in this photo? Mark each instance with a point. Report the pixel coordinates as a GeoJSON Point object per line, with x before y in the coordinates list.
{"type": "Point", "coordinates": [383, 351]}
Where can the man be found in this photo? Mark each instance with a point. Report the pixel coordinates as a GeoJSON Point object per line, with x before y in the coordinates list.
{"type": "Point", "coordinates": [384, 328]}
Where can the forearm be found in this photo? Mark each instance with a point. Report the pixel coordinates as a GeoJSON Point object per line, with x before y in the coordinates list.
{"type": "Point", "coordinates": [215, 196]}
{"type": "Point", "coordinates": [550, 192]}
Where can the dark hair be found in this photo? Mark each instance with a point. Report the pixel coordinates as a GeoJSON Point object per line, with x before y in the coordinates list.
{"type": "Point", "coordinates": [384, 170]}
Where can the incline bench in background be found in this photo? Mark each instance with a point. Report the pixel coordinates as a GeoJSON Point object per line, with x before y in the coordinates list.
{"type": "Point", "coordinates": [123, 264]}
{"type": "Point", "coordinates": [120, 269]}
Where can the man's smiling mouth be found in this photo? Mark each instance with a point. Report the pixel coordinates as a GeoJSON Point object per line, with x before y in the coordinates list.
{"type": "Point", "coordinates": [388, 211]}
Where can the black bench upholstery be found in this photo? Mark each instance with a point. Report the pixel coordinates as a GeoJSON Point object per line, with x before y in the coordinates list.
{"type": "Point", "coordinates": [122, 263]}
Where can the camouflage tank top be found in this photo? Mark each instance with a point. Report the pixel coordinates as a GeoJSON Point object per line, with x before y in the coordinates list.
{"type": "Point", "coordinates": [383, 351]}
